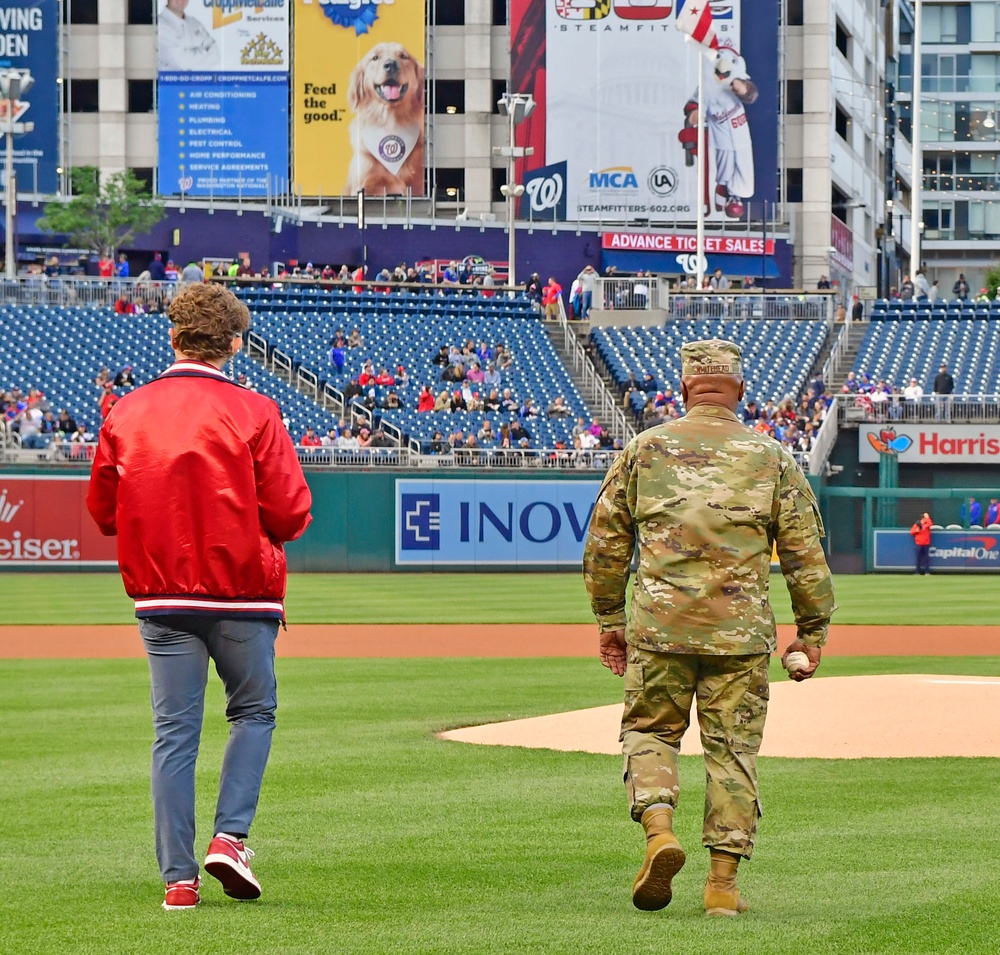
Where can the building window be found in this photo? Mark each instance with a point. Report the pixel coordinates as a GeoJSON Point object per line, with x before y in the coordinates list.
{"type": "Point", "coordinates": [80, 11]}
{"type": "Point", "coordinates": [793, 184]}
{"type": "Point", "coordinates": [140, 12]}
{"type": "Point", "coordinates": [842, 123]}
{"type": "Point", "coordinates": [499, 179]}
{"type": "Point", "coordinates": [449, 13]}
{"type": "Point", "coordinates": [843, 40]}
{"type": "Point", "coordinates": [83, 96]}
{"type": "Point", "coordinates": [449, 184]}
{"type": "Point", "coordinates": [947, 24]}
{"type": "Point", "coordinates": [795, 13]}
{"type": "Point", "coordinates": [449, 96]}
{"type": "Point", "coordinates": [499, 13]}
{"type": "Point", "coordinates": [141, 95]}
{"type": "Point", "coordinates": [838, 203]}
{"type": "Point", "coordinates": [499, 88]}
{"type": "Point", "coordinates": [794, 97]}
{"type": "Point", "coordinates": [145, 175]}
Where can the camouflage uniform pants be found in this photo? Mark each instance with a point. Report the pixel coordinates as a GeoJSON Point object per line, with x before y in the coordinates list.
{"type": "Point", "coordinates": [732, 693]}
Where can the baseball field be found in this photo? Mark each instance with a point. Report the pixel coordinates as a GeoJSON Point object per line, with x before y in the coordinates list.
{"type": "Point", "coordinates": [377, 836]}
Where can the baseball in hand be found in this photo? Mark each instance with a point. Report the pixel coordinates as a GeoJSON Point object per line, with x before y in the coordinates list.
{"type": "Point", "coordinates": [795, 661]}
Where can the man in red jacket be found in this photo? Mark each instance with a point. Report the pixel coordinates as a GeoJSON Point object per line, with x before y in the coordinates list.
{"type": "Point", "coordinates": [200, 481]}
{"type": "Point", "coordinates": [550, 298]}
{"type": "Point", "coordinates": [921, 532]}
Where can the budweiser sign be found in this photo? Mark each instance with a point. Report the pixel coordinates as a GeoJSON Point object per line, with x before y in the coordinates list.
{"type": "Point", "coordinates": [718, 244]}
{"type": "Point", "coordinates": [44, 523]}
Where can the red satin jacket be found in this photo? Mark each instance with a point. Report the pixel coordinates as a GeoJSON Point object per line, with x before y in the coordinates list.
{"type": "Point", "coordinates": [200, 481]}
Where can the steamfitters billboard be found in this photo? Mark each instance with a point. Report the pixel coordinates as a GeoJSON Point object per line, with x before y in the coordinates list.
{"type": "Point", "coordinates": [29, 41]}
{"type": "Point", "coordinates": [359, 97]}
{"type": "Point", "coordinates": [616, 86]}
{"type": "Point", "coordinates": [223, 96]}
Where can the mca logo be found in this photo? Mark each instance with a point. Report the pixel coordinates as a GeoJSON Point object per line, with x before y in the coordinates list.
{"type": "Point", "coordinates": [888, 443]}
{"type": "Point", "coordinates": [583, 9]}
{"type": "Point", "coordinates": [614, 177]}
{"type": "Point", "coordinates": [420, 522]}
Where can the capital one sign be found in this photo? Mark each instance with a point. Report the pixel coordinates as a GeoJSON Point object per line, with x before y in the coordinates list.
{"type": "Point", "coordinates": [44, 523]}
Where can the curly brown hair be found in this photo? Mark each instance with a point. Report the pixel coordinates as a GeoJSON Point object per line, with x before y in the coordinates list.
{"type": "Point", "coordinates": [206, 319]}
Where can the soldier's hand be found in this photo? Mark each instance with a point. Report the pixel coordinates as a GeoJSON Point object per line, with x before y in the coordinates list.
{"type": "Point", "coordinates": [612, 651]}
{"type": "Point", "coordinates": [815, 654]}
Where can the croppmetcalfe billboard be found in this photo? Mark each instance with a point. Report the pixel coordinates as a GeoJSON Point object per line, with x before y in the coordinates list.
{"type": "Point", "coordinates": [616, 82]}
{"type": "Point", "coordinates": [359, 97]}
{"type": "Point", "coordinates": [223, 96]}
{"type": "Point", "coordinates": [29, 41]}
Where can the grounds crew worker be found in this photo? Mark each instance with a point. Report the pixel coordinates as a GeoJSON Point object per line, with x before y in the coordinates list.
{"type": "Point", "coordinates": [702, 498]}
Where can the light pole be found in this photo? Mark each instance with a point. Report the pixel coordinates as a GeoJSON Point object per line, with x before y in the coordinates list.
{"type": "Point", "coordinates": [13, 85]}
{"type": "Point", "coordinates": [517, 107]}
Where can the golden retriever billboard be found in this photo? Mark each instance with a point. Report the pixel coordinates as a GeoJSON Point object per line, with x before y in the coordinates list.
{"type": "Point", "coordinates": [358, 75]}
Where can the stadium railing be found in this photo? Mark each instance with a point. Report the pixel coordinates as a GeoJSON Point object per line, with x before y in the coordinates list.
{"type": "Point", "coordinates": [90, 291]}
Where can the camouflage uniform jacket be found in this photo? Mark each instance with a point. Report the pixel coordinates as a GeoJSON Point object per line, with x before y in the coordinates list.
{"type": "Point", "coordinates": [704, 498]}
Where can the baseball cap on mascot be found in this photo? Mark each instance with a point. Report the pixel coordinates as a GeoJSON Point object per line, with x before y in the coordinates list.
{"type": "Point", "coordinates": [729, 66]}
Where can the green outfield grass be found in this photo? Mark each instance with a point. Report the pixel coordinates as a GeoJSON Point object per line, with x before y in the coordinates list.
{"type": "Point", "coordinates": [493, 598]}
{"type": "Point", "coordinates": [375, 837]}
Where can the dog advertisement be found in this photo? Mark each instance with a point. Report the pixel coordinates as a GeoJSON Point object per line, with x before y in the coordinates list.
{"type": "Point", "coordinates": [616, 84]}
{"type": "Point", "coordinates": [359, 97]}
{"type": "Point", "coordinates": [223, 96]}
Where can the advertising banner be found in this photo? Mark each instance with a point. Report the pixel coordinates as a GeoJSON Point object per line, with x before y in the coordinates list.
{"type": "Point", "coordinates": [929, 443]}
{"type": "Point", "coordinates": [29, 41]}
{"type": "Point", "coordinates": [44, 523]}
{"type": "Point", "coordinates": [359, 97]}
{"type": "Point", "coordinates": [950, 550]}
{"type": "Point", "coordinates": [223, 96]}
{"type": "Point", "coordinates": [468, 523]}
{"type": "Point", "coordinates": [616, 85]}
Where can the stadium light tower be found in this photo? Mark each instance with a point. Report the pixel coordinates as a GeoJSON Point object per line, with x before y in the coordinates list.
{"type": "Point", "coordinates": [13, 85]}
{"type": "Point", "coordinates": [517, 107]}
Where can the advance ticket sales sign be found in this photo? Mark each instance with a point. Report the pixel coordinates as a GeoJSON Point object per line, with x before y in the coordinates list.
{"type": "Point", "coordinates": [223, 96]}
{"type": "Point", "coordinates": [477, 523]}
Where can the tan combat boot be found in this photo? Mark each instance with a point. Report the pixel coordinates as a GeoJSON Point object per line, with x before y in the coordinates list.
{"type": "Point", "coordinates": [664, 859]}
{"type": "Point", "coordinates": [721, 895]}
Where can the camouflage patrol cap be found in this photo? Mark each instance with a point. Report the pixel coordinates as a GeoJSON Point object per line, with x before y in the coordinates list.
{"type": "Point", "coordinates": [716, 356]}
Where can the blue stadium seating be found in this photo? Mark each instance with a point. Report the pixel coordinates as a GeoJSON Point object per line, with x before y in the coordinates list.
{"type": "Point", "coordinates": [778, 354]}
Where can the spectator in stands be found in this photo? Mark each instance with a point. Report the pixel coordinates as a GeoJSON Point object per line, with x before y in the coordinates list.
{"type": "Point", "coordinates": [533, 290]}
{"type": "Point", "coordinates": [640, 291]}
{"type": "Point", "coordinates": [125, 379]}
{"type": "Point", "coordinates": [426, 400]}
{"type": "Point", "coordinates": [108, 400]}
{"type": "Point", "coordinates": [719, 281]}
{"type": "Point", "coordinates": [529, 408]}
{"type": "Point", "coordinates": [518, 432]}
{"type": "Point", "coordinates": [359, 276]}
{"type": "Point", "coordinates": [993, 511]}
{"type": "Point", "coordinates": [486, 433]}
{"type": "Point", "coordinates": [491, 377]}
{"type": "Point", "coordinates": [310, 439]}
{"type": "Point", "coordinates": [453, 372]}
{"type": "Point", "coordinates": [191, 273]}
{"type": "Point", "coordinates": [651, 415]}
{"type": "Point", "coordinates": [504, 439]}
{"type": "Point", "coordinates": [588, 286]}
{"type": "Point", "coordinates": [906, 289]}
{"type": "Point", "coordinates": [352, 390]}
{"type": "Point", "coordinates": [330, 438]}
{"type": "Point", "coordinates": [961, 288]}
{"type": "Point", "coordinates": [476, 374]}
{"type": "Point", "coordinates": [456, 440]}
{"type": "Point", "coordinates": [550, 298]}
{"type": "Point", "coordinates": [450, 275]}
{"type": "Point", "coordinates": [65, 424]}
{"type": "Point", "coordinates": [944, 386]}
{"type": "Point", "coordinates": [492, 401]}
{"type": "Point", "coordinates": [438, 444]}
{"type": "Point", "coordinates": [81, 436]}
{"type": "Point", "coordinates": [337, 354]}
{"type": "Point", "coordinates": [367, 377]}
{"type": "Point", "coordinates": [381, 440]}
{"type": "Point", "coordinates": [649, 383]}
{"type": "Point", "coordinates": [509, 401]}
{"type": "Point", "coordinates": [364, 438]}
{"type": "Point", "coordinates": [392, 402]}
{"type": "Point", "coordinates": [921, 286]}
{"type": "Point", "coordinates": [502, 357]}
{"type": "Point", "coordinates": [355, 339]}
{"type": "Point", "coordinates": [105, 267]}
{"type": "Point", "coordinates": [557, 408]}
{"type": "Point", "coordinates": [443, 401]}
{"type": "Point", "coordinates": [751, 412]}
{"type": "Point", "coordinates": [384, 378]}
{"type": "Point", "coordinates": [124, 305]}
{"type": "Point", "coordinates": [823, 283]}
{"type": "Point", "coordinates": [28, 423]}
{"type": "Point", "coordinates": [347, 441]}
{"type": "Point", "coordinates": [473, 401]}
{"type": "Point", "coordinates": [576, 299]}
{"type": "Point", "coordinates": [441, 358]}
{"type": "Point", "coordinates": [122, 268]}
{"type": "Point", "coordinates": [983, 296]}
{"type": "Point", "coordinates": [402, 377]}
{"type": "Point", "coordinates": [913, 391]}
{"type": "Point", "coordinates": [851, 385]}
{"type": "Point", "coordinates": [458, 401]}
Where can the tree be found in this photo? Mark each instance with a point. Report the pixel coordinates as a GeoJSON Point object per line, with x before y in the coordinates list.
{"type": "Point", "coordinates": [992, 280]}
{"type": "Point", "coordinates": [103, 213]}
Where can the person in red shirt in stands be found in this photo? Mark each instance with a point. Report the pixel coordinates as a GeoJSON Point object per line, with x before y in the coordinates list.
{"type": "Point", "coordinates": [550, 298]}
{"type": "Point", "coordinates": [384, 379]}
{"type": "Point", "coordinates": [426, 400]}
{"type": "Point", "coordinates": [359, 276]}
{"type": "Point", "coordinates": [921, 532]}
{"type": "Point", "coordinates": [106, 267]}
{"type": "Point", "coordinates": [310, 439]}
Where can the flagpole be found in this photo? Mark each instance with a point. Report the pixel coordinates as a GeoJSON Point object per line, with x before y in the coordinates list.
{"type": "Point", "coordinates": [699, 248]}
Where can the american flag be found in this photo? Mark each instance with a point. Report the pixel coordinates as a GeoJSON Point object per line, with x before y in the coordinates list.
{"type": "Point", "coordinates": [695, 19]}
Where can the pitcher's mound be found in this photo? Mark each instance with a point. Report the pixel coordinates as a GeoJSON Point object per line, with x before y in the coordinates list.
{"type": "Point", "coordinates": [825, 718]}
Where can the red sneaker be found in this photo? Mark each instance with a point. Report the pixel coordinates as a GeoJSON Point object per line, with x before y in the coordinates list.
{"type": "Point", "coordinates": [228, 860]}
{"type": "Point", "coordinates": [182, 895]}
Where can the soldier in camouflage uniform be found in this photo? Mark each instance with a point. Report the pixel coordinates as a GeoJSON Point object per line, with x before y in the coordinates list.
{"type": "Point", "coordinates": [702, 498]}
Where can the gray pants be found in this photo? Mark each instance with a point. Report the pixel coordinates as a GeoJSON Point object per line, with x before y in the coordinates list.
{"type": "Point", "coordinates": [179, 648]}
